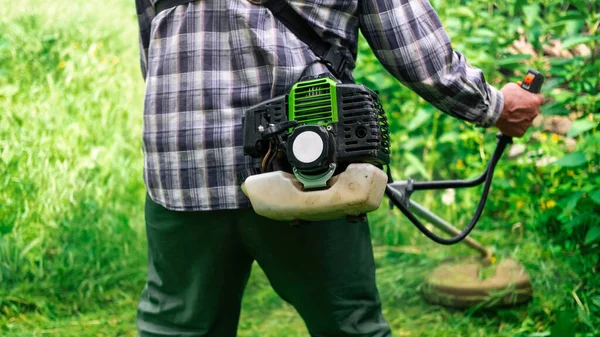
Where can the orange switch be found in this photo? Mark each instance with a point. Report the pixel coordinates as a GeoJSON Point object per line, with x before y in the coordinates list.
{"type": "Point", "coordinates": [528, 79]}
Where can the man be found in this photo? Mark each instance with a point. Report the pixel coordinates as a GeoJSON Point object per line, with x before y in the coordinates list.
{"type": "Point", "coordinates": [205, 62]}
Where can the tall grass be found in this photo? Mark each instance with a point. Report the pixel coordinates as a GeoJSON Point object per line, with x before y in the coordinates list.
{"type": "Point", "coordinates": [70, 158]}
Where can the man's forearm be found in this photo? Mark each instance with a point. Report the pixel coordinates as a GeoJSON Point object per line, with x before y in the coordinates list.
{"type": "Point", "coordinates": [410, 42]}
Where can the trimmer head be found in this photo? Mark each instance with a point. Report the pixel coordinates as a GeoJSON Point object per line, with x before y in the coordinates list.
{"type": "Point", "coordinates": [469, 283]}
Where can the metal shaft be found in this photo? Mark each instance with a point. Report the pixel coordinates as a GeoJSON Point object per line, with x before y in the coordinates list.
{"type": "Point", "coordinates": [448, 228]}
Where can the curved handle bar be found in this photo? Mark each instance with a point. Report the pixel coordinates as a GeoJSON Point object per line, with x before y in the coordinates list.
{"type": "Point", "coordinates": [399, 198]}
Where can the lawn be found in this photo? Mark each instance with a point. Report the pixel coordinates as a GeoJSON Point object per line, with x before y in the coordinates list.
{"type": "Point", "coordinates": [72, 245]}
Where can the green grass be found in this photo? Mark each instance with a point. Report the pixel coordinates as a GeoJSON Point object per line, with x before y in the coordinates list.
{"type": "Point", "coordinates": [399, 275]}
{"type": "Point", "coordinates": [72, 245]}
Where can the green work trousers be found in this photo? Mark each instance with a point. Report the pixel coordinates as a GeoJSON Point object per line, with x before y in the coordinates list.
{"type": "Point", "coordinates": [199, 264]}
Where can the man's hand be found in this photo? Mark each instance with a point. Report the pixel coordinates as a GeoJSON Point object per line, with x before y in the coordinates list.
{"type": "Point", "coordinates": [520, 109]}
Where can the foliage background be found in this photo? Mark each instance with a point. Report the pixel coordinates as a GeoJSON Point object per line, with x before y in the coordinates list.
{"type": "Point", "coordinates": [72, 247]}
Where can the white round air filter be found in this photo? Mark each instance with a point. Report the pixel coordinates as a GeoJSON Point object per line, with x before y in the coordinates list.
{"type": "Point", "coordinates": [307, 147]}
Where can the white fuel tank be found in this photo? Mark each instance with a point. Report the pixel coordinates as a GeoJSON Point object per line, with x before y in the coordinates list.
{"type": "Point", "coordinates": [279, 195]}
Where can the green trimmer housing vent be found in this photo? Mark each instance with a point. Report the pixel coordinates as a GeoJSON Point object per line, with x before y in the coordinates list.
{"type": "Point", "coordinates": [314, 102]}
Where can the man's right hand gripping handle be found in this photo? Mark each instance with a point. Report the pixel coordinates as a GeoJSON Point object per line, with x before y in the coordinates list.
{"type": "Point", "coordinates": [520, 106]}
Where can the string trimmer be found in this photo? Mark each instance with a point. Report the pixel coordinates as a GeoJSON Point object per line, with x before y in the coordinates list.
{"type": "Point", "coordinates": [322, 149]}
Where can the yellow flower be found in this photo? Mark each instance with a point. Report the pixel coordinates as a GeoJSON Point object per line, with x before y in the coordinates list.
{"type": "Point", "coordinates": [103, 61]}
{"type": "Point", "coordinates": [460, 164]}
{"type": "Point", "coordinates": [550, 204]}
{"type": "Point", "coordinates": [543, 136]}
{"type": "Point", "coordinates": [62, 64]}
{"type": "Point", "coordinates": [520, 204]}
{"type": "Point", "coordinates": [493, 259]}
{"type": "Point", "coordinates": [75, 45]}
{"type": "Point", "coordinates": [555, 138]}
{"type": "Point", "coordinates": [570, 173]}
{"type": "Point", "coordinates": [115, 60]}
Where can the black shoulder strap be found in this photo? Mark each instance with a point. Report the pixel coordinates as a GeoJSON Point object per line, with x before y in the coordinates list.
{"type": "Point", "coordinates": [162, 5]}
{"type": "Point", "coordinates": [329, 54]}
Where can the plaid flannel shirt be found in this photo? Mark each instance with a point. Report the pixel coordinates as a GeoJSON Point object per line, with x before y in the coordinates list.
{"type": "Point", "coordinates": [206, 61]}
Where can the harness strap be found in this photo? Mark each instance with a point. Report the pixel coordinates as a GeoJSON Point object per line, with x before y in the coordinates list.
{"type": "Point", "coordinates": [328, 54]}
{"type": "Point", "coordinates": [161, 5]}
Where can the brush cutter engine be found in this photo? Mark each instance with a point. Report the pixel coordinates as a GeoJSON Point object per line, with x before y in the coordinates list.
{"type": "Point", "coordinates": [321, 148]}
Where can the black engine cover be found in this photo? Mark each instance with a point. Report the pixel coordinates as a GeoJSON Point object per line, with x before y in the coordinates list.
{"type": "Point", "coordinates": [362, 133]}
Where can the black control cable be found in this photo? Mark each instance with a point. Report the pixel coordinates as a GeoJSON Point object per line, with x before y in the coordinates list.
{"type": "Point", "coordinates": [486, 177]}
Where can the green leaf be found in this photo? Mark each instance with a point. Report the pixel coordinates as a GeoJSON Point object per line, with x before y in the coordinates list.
{"type": "Point", "coordinates": [572, 15]}
{"type": "Point", "coordinates": [30, 246]}
{"type": "Point", "coordinates": [484, 32]}
{"type": "Point", "coordinates": [518, 5]}
{"type": "Point", "coordinates": [420, 119]}
{"type": "Point", "coordinates": [580, 5]}
{"type": "Point", "coordinates": [573, 22]}
{"type": "Point", "coordinates": [462, 11]}
{"type": "Point", "coordinates": [513, 59]}
{"type": "Point", "coordinates": [572, 201]}
{"type": "Point", "coordinates": [558, 62]}
{"type": "Point", "coordinates": [531, 13]}
{"type": "Point", "coordinates": [554, 109]}
{"type": "Point", "coordinates": [574, 26]}
{"type": "Point", "coordinates": [580, 126]}
{"type": "Point", "coordinates": [381, 81]}
{"type": "Point", "coordinates": [413, 142]}
{"type": "Point", "coordinates": [417, 164]}
{"type": "Point", "coordinates": [564, 326]}
{"type": "Point", "coordinates": [596, 301]}
{"type": "Point", "coordinates": [592, 235]}
{"type": "Point", "coordinates": [575, 40]}
{"type": "Point", "coordinates": [449, 137]}
{"type": "Point", "coordinates": [595, 196]}
{"type": "Point", "coordinates": [564, 96]}
{"type": "Point", "coordinates": [572, 160]}
{"type": "Point", "coordinates": [479, 40]}
{"type": "Point", "coordinates": [504, 183]}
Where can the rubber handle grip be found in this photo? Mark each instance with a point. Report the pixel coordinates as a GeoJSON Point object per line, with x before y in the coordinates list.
{"type": "Point", "coordinates": [532, 82]}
